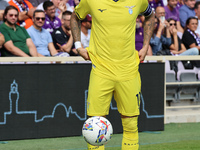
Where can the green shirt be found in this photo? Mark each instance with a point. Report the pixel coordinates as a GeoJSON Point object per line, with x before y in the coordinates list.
{"type": "Point", "coordinates": [18, 37]}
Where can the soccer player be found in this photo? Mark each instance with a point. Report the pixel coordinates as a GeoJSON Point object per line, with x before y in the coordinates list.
{"type": "Point", "coordinates": [114, 59]}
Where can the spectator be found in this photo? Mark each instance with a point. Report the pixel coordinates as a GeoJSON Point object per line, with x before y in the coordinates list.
{"type": "Point", "coordinates": [186, 11]}
{"type": "Point", "coordinates": [85, 31]}
{"type": "Point", "coordinates": [158, 40]}
{"type": "Point", "coordinates": [41, 37]}
{"type": "Point", "coordinates": [171, 11]}
{"type": "Point", "coordinates": [65, 6]}
{"type": "Point", "coordinates": [177, 47]}
{"type": "Point", "coordinates": [76, 2]}
{"type": "Point", "coordinates": [190, 38]}
{"type": "Point", "coordinates": [2, 40]}
{"type": "Point", "coordinates": [139, 37]}
{"type": "Point", "coordinates": [73, 3]}
{"type": "Point", "coordinates": [62, 37]}
{"type": "Point", "coordinates": [17, 40]}
{"type": "Point", "coordinates": [51, 21]}
{"type": "Point", "coordinates": [3, 5]}
{"type": "Point", "coordinates": [25, 9]}
{"type": "Point", "coordinates": [197, 11]}
{"type": "Point", "coordinates": [60, 6]}
{"type": "Point", "coordinates": [160, 13]}
{"type": "Point", "coordinates": [155, 3]}
{"type": "Point", "coordinates": [179, 4]}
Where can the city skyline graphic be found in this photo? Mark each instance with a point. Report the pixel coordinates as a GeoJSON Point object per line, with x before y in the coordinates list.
{"type": "Point", "coordinates": [68, 110]}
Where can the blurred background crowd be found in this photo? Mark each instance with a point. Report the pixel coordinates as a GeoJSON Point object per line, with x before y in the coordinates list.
{"type": "Point", "coordinates": [41, 28]}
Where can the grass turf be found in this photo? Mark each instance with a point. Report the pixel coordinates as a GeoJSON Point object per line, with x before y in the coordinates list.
{"type": "Point", "coordinates": [185, 136]}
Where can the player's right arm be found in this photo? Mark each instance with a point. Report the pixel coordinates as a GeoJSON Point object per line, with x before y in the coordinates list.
{"type": "Point", "coordinates": [148, 31]}
{"type": "Point", "coordinates": [76, 33]}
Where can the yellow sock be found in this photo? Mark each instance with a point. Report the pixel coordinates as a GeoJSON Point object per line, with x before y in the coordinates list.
{"type": "Point", "coordinates": [130, 134]}
{"type": "Point", "coordinates": [91, 147]}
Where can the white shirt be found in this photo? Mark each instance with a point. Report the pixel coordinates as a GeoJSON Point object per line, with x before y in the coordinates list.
{"type": "Point", "coordinates": [85, 39]}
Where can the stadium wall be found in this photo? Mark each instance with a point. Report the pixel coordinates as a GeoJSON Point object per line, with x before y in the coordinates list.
{"type": "Point", "coordinates": [49, 100]}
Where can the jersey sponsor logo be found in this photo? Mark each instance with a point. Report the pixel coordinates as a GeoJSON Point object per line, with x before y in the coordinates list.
{"type": "Point", "coordinates": [130, 9]}
{"type": "Point", "coordinates": [101, 10]}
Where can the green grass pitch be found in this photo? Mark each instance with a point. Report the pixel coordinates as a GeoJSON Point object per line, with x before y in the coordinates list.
{"type": "Point", "coordinates": [183, 136]}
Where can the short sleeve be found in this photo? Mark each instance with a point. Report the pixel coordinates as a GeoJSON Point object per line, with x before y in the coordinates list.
{"type": "Point", "coordinates": [58, 38]}
{"type": "Point", "coordinates": [49, 37]}
{"type": "Point", "coordinates": [82, 9]}
{"type": "Point", "coordinates": [5, 34]}
{"type": "Point", "coordinates": [188, 39]}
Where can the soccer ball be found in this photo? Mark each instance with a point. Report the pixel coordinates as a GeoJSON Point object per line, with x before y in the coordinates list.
{"type": "Point", "coordinates": [97, 131]}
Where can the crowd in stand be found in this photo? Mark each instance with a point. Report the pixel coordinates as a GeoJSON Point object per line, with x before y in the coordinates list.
{"type": "Point", "coordinates": [177, 28]}
{"type": "Point", "coordinates": [39, 28]}
{"type": "Point", "coordinates": [42, 28]}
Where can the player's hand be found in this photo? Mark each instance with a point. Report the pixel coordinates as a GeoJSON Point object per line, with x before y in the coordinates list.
{"type": "Point", "coordinates": [142, 54]}
{"type": "Point", "coordinates": [84, 53]}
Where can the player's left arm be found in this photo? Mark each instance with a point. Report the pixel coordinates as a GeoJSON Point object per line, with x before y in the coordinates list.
{"type": "Point", "coordinates": [148, 31]}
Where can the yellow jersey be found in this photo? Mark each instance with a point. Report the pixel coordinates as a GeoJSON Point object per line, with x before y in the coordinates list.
{"type": "Point", "coordinates": [112, 40]}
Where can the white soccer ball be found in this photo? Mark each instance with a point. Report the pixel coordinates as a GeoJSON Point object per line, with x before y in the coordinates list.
{"type": "Point", "coordinates": [97, 131]}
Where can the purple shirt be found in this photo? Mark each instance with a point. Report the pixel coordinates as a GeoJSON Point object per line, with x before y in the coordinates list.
{"type": "Point", "coordinates": [174, 14]}
{"type": "Point", "coordinates": [51, 25]}
{"type": "Point", "coordinates": [139, 38]}
{"type": "Point", "coordinates": [153, 4]}
{"type": "Point", "coordinates": [178, 5]}
{"type": "Point", "coordinates": [71, 2]}
{"type": "Point", "coordinates": [184, 13]}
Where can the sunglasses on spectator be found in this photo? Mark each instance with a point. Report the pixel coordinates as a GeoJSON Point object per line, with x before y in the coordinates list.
{"type": "Point", "coordinates": [38, 18]}
{"type": "Point", "coordinates": [171, 24]}
{"type": "Point", "coordinates": [11, 15]}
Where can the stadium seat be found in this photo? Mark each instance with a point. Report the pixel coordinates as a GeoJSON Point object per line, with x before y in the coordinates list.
{"type": "Point", "coordinates": [196, 69]}
{"type": "Point", "coordinates": [187, 91]}
{"type": "Point", "coordinates": [198, 77]}
{"type": "Point", "coordinates": [171, 90]}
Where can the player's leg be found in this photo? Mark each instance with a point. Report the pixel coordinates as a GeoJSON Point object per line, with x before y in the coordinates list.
{"type": "Point", "coordinates": [99, 98]}
{"type": "Point", "coordinates": [127, 96]}
{"type": "Point", "coordinates": [130, 133]}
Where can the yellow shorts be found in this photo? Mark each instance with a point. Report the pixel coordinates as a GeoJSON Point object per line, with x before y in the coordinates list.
{"type": "Point", "coordinates": [126, 95]}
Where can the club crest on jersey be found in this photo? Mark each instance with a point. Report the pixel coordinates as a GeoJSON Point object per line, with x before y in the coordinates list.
{"type": "Point", "coordinates": [130, 9]}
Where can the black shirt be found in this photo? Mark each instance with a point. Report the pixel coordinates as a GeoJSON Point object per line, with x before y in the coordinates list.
{"type": "Point", "coordinates": [60, 37]}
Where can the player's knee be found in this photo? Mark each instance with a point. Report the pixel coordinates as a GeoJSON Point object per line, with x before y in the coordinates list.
{"type": "Point", "coordinates": [130, 126]}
